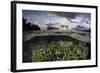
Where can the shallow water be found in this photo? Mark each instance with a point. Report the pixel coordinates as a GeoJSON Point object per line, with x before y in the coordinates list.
{"type": "Point", "coordinates": [37, 40]}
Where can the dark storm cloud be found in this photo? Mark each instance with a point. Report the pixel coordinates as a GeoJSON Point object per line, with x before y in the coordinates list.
{"type": "Point", "coordinates": [71, 15]}
{"type": "Point", "coordinates": [44, 17]}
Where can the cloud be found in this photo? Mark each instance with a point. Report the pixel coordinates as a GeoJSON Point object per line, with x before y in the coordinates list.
{"type": "Point", "coordinates": [51, 14]}
{"type": "Point", "coordinates": [72, 19]}
{"type": "Point", "coordinates": [82, 20]}
{"type": "Point", "coordinates": [54, 19]}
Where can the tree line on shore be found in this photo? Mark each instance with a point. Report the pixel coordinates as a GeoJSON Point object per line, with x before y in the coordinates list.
{"type": "Point", "coordinates": [29, 26]}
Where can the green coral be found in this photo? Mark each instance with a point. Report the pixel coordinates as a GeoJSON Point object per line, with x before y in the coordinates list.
{"type": "Point", "coordinates": [56, 51]}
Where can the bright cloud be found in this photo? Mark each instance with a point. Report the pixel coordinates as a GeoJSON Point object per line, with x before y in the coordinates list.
{"type": "Point", "coordinates": [42, 18]}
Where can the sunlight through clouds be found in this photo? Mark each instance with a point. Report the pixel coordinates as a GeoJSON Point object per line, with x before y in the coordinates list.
{"type": "Point", "coordinates": [42, 18]}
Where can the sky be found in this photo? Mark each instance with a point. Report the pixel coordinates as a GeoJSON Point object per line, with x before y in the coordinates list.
{"type": "Point", "coordinates": [42, 18]}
